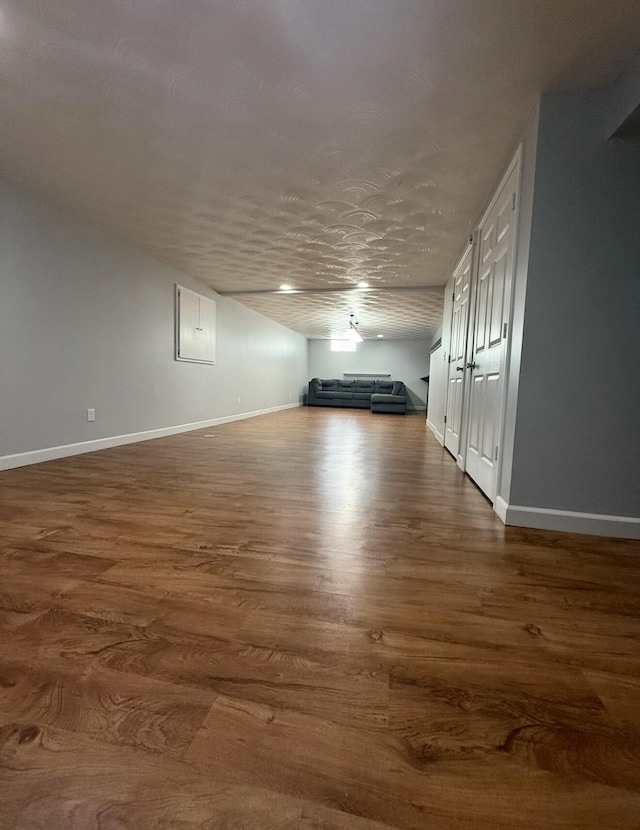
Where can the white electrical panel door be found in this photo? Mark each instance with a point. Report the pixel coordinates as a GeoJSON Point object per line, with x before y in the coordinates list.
{"type": "Point", "coordinates": [195, 327]}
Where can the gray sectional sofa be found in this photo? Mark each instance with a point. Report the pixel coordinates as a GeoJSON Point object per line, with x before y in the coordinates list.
{"type": "Point", "coordinates": [376, 395]}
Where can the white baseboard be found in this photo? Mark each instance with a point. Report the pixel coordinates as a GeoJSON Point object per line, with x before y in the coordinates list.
{"type": "Point", "coordinates": [436, 432]}
{"type": "Point", "coordinates": [501, 508]}
{"type": "Point", "coordinates": [416, 408]}
{"type": "Point", "coordinates": [568, 521]}
{"type": "Point", "coordinates": [23, 459]}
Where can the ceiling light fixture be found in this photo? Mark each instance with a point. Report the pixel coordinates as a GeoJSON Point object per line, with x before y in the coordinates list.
{"type": "Point", "coordinates": [363, 284]}
{"type": "Point", "coordinates": [379, 335]}
{"type": "Point", "coordinates": [285, 287]}
{"type": "Point", "coordinates": [354, 334]}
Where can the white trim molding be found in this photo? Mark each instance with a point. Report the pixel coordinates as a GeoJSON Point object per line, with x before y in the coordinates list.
{"type": "Point", "coordinates": [439, 435]}
{"type": "Point", "coordinates": [568, 521]}
{"type": "Point", "coordinates": [23, 459]}
{"type": "Point", "coordinates": [501, 508]}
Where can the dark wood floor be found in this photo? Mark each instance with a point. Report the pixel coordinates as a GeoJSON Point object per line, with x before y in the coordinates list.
{"type": "Point", "coordinates": [306, 620]}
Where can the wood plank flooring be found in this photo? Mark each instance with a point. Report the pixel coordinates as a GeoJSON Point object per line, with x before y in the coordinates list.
{"type": "Point", "coordinates": [306, 620]}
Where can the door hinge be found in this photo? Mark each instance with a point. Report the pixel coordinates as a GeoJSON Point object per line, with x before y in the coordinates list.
{"type": "Point", "coordinates": [470, 239]}
{"type": "Point", "coordinates": [453, 296]}
{"type": "Point", "coordinates": [495, 456]}
{"type": "Point", "coordinates": [504, 330]}
{"type": "Point", "coordinates": [445, 419]}
{"type": "Point", "coordinates": [513, 201]}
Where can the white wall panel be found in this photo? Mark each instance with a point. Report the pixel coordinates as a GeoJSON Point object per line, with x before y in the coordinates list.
{"type": "Point", "coordinates": [438, 369]}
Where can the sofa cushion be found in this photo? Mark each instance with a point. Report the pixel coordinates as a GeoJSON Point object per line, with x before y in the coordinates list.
{"type": "Point", "coordinates": [384, 387]}
{"type": "Point", "coordinates": [329, 385]}
{"type": "Point", "coordinates": [325, 394]}
{"type": "Point", "coordinates": [346, 385]}
{"type": "Point", "coordinates": [343, 396]}
{"type": "Point", "coordinates": [362, 396]}
{"type": "Point", "coordinates": [365, 386]}
{"type": "Point", "coordinates": [380, 398]}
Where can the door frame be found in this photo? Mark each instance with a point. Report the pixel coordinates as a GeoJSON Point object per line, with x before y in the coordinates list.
{"type": "Point", "coordinates": [515, 163]}
{"type": "Point", "coordinates": [469, 247]}
{"type": "Point", "coordinates": [461, 460]}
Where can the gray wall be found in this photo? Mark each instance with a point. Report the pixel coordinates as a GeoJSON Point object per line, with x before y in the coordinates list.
{"type": "Point", "coordinates": [624, 98]}
{"type": "Point", "coordinates": [406, 360]}
{"type": "Point", "coordinates": [577, 442]}
{"type": "Point", "coordinates": [86, 321]}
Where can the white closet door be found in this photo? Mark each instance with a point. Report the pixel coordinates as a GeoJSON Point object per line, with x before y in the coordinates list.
{"type": "Point", "coordinates": [487, 351]}
{"type": "Point", "coordinates": [457, 353]}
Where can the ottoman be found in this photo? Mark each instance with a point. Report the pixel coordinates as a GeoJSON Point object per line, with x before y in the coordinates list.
{"type": "Point", "coordinates": [389, 403]}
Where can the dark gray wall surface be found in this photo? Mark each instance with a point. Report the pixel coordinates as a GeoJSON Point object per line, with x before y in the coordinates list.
{"type": "Point", "coordinates": [577, 436]}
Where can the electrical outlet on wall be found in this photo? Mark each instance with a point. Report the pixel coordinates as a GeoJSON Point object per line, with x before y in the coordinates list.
{"type": "Point", "coordinates": [91, 414]}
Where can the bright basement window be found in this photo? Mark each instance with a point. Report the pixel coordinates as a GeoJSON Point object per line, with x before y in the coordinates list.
{"type": "Point", "coordinates": [343, 345]}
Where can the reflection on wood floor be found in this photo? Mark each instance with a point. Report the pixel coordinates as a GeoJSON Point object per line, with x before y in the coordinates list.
{"type": "Point", "coordinates": [306, 620]}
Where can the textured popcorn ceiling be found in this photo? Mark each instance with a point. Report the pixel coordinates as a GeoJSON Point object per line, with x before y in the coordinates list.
{"type": "Point", "coordinates": [313, 142]}
{"type": "Point", "coordinates": [399, 314]}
